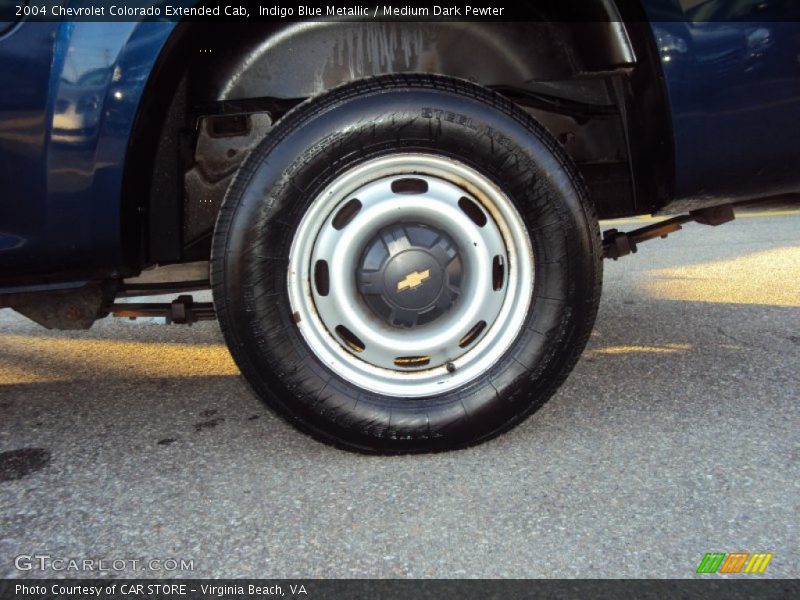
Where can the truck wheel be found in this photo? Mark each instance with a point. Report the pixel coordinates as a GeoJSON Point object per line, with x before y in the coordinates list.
{"type": "Point", "coordinates": [406, 264]}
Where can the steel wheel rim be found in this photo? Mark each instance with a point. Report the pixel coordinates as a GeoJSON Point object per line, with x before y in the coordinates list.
{"type": "Point", "coordinates": [367, 354]}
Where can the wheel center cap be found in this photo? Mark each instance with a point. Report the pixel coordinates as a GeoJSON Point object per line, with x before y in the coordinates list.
{"type": "Point", "coordinates": [410, 274]}
{"type": "Point", "coordinates": [413, 279]}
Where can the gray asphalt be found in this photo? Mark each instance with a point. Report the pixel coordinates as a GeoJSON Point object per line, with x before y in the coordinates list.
{"type": "Point", "coordinates": [676, 435]}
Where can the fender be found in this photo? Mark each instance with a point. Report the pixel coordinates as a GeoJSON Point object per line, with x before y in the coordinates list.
{"type": "Point", "coordinates": [66, 144]}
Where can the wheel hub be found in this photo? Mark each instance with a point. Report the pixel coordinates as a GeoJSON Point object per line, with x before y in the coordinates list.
{"type": "Point", "coordinates": [410, 274]}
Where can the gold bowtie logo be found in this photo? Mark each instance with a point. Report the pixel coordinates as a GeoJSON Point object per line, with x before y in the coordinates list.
{"type": "Point", "coordinates": [413, 280]}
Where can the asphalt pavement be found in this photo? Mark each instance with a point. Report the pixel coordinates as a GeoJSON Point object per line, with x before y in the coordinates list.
{"type": "Point", "coordinates": [676, 435]}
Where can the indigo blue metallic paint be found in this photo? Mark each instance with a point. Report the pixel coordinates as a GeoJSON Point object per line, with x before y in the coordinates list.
{"type": "Point", "coordinates": [732, 69]}
{"type": "Point", "coordinates": [68, 99]}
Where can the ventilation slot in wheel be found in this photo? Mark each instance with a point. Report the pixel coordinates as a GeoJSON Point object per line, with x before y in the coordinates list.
{"type": "Point", "coordinates": [322, 280]}
{"type": "Point", "coordinates": [350, 338]}
{"type": "Point", "coordinates": [472, 334]}
{"type": "Point", "coordinates": [346, 214]}
{"type": "Point", "coordinates": [473, 211]}
{"type": "Point", "coordinates": [409, 185]}
{"type": "Point", "coordinates": [498, 273]}
{"type": "Point", "coordinates": [412, 361]}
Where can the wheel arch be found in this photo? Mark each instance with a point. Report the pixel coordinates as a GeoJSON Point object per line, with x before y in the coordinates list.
{"type": "Point", "coordinates": [221, 68]}
{"type": "Point", "coordinates": [267, 63]}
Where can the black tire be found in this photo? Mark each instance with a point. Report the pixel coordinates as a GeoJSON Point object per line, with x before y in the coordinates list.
{"type": "Point", "coordinates": [351, 124]}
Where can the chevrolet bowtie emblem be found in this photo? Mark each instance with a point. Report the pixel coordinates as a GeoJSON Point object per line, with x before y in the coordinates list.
{"type": "Point", "coordinates": [413, 280]}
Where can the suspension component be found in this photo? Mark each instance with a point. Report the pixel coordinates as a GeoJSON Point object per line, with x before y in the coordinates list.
{"type": "Point", "coordinates": [620, 243]}
{"type": "Point", "coordinates": [181, 311]}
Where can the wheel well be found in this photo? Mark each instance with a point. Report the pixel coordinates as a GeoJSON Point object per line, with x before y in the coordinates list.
{"type": "Point", "coordinates": [216, 90]}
